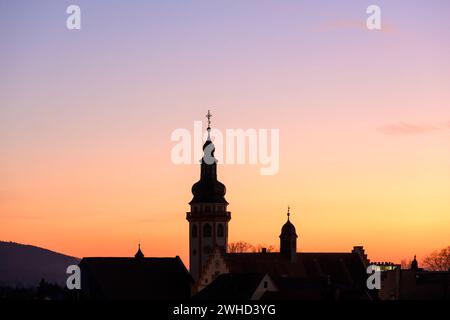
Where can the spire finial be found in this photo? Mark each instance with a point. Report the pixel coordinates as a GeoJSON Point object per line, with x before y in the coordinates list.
{"type": "Point", "coordinates": [288, 212]}
{"type": "Point", "coordinates": [208, 116]}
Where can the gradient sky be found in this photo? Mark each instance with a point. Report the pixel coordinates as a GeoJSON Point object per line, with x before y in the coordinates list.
{"type": "Point", "coordinates": [364, 119]}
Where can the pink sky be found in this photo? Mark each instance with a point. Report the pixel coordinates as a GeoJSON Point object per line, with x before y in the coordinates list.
{"type": "Point", "coordinates": [86, 118]}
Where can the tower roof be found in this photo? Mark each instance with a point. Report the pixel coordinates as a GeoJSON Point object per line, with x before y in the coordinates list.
{"type": "Point", "coordinates": [139, 253]}
{"type": "Point", "coordinates": [208, 188]}
{"type": "Point", "coordinates": [208, 191]}
{"type": "Point", "coordinates": [288, 228]}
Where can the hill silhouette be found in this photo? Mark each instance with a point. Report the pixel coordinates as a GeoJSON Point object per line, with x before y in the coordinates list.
{"type": "Point", "coordinates": [25, 265]}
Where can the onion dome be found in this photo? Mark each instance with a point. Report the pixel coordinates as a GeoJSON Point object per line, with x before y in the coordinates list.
{"type": "Point", "coordinates": [288, 228]}
{"type": "Point", "coordinates": [208, 188]}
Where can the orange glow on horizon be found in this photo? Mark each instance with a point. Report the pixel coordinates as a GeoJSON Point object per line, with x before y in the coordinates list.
{"type": "Point", "coordinates": [364, 121]}
{"type": "Point", "coordinates": [97, 208]}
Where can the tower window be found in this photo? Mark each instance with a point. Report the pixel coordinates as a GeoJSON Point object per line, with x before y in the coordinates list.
{"type": "Point", "coordinates": [194, 231]}
{"type": "Point", "coordinates": [220, 231]}
{"type": "Point", "coordinates": [207, 230]}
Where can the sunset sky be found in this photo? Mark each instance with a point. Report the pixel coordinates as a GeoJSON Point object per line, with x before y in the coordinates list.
{"type": "Point", "coordinates": [364, 117]}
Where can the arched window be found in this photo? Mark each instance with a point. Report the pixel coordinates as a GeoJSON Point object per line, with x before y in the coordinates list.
{"type": "Point", "coordinates": [207, 230]}
{"type": "Point", "coordinates": [220, 230]}
{"type": "Point", "coordinates": [194, 231]}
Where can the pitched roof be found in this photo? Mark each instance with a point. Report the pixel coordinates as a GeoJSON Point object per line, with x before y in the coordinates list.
{"type": "Point", "coordinates": [424, 285]}
{"type": "Point", "coordinates": [262, 263]}
{"type": "Point", "coordinates": [297, 288]}
{"type": "Point", "coordinates": [131, 278]}
{"type": "Point", "coordinates": [342, 268]}
{"type": "Point", "coordinates": [231, 286]}
{"type": "Point", "coordinates": [308, 276]}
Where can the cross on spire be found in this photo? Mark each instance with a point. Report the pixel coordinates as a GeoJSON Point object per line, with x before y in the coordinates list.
{"type": "Point", "coordinates": [208, 116]}
{"type": "Point", "coordinates": [139, 253]}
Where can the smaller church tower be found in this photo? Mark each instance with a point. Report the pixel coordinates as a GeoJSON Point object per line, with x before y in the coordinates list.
{"type": "Point", "coordinates": [139, 254]}
{"type": "Point", "coordinates": [288, 239]}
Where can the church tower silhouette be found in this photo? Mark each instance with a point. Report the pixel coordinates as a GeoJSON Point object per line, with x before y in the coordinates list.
{"type": "Point", "coordinates": [288, 239]}
{"type": "Point", "coordinates": [208, 218]}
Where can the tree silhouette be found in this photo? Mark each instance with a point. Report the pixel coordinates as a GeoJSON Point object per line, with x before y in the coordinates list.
{"type": "Point", "coordinates": [260, 247]}
{"type": "Point", "coordinates": [242, 246]}
{"type": "Point", "coordinates": [438, 260]}
{"type": "Point", "coordinates": [405, 263]}
{"type": "Point", "coordinates": [49, 291]}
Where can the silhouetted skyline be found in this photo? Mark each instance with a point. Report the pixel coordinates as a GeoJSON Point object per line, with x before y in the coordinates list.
{"type": "Point", "coordinates": [86, 118]}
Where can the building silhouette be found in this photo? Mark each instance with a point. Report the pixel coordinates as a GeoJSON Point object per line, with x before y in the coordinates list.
{"type": "Point", "coordinates": [320, 275]}
{"type": "Point", "coordinates": [415, 284]}
{"type": "Point", "coordinates": [138, 278]}
{"type": "Point", "coordinates": [208, 217]}
{"type": "Point", "coordinates": [220, 275]}
{"type": "Point", "coordinates": [288, 239]}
